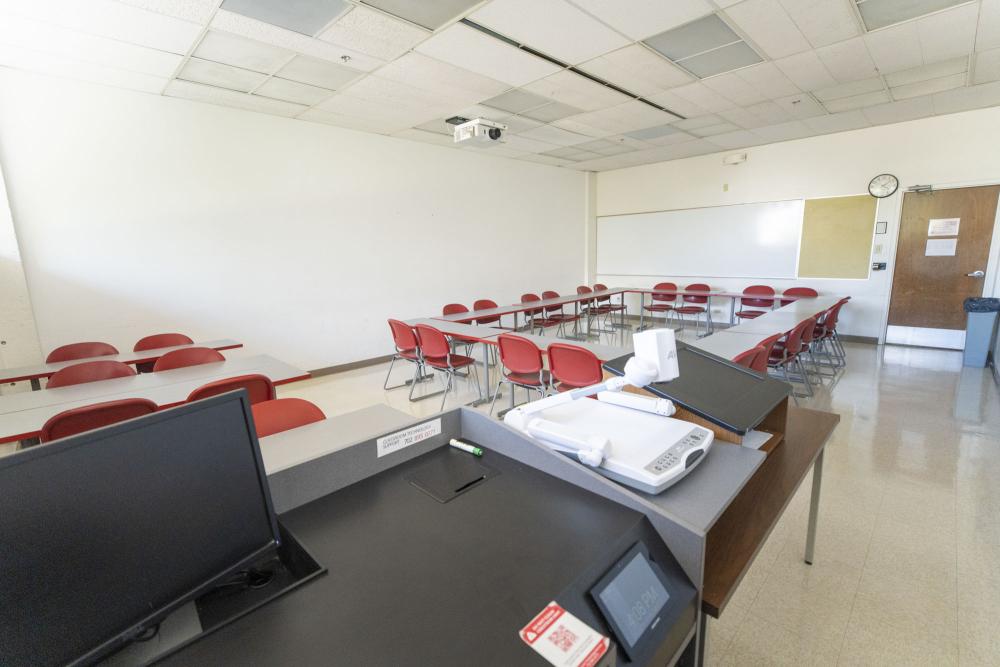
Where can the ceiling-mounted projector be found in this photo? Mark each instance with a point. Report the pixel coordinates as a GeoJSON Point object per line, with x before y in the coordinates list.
{"type": "Point", "coordinates": [480, 132]}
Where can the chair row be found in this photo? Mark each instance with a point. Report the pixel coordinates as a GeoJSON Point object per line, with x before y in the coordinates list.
{"type": "Point", "coordinates": [91, 349]}
{"type": "Point", "coordinates": [757, 297]}
{"type": "Point", "coordinates": [93, 371]}
{"type": "Point", "coordinates": [271, 414]}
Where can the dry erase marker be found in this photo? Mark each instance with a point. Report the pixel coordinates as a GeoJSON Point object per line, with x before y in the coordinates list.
{"type": "Point", "coordinates": [458, 444]}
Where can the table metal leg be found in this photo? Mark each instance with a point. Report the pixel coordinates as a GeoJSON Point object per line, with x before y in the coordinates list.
{"type": "Point", "coordinates": [732, 310]}
{"type": "Point", "coordinates": [814, 507]}
{"type": "Point", "coordinates": [486, 378]}
{"type": "Point", "coordinates": [642, 310]}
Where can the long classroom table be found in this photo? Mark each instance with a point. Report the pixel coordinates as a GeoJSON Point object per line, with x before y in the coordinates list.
{"type": "Point", "coordinates": [23, 415]}
{"type": "Point", "coordinates": [36, 372]}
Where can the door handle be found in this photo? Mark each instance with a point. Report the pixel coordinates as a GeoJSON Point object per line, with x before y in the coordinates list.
{"type": "Point", "coordinates": [976, 274]}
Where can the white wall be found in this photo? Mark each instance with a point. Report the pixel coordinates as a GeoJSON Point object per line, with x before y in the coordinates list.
{"type": "Point", "coordinates": [139, 214]}
{"type": "Point", "coordinates": [956, 149]}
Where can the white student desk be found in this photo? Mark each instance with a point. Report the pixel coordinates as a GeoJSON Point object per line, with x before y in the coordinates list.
{"type": "Point", "coordinates": [44, 370]}
{"type": "Point", "coordinates": [23, 415]}
{"type": "Point", "coordinates": [728, 344]}
{"type": "Point", "coordinates": [787, 317]}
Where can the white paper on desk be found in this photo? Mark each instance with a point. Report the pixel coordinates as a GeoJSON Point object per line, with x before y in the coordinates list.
{"type": "Point", "coordinates": [755, 439]}
{"type": "Point", "coordinates": [943, 226]}
{"type": "Point", "coordinates": [941, 247]}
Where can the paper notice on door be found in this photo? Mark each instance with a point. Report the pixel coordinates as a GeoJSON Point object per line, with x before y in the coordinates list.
{"type": "Point", "coordinates": [563, 639]}
{"type": "Point", "coordinates": [941, 247]}
{"type": "Point", "coordinates": [943, 227]}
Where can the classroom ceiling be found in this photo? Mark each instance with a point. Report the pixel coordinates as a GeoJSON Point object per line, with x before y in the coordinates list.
{"type": "Point", "coordinates": [584, 84]}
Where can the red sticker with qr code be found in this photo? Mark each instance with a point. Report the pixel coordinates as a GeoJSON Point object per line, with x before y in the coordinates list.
{"type": "Point", "coordinates": [563, 639]}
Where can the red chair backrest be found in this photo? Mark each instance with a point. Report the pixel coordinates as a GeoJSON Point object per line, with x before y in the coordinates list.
{"type": "Point", "coordinates": [760, 363]}
{"type": "Point", "coordinates": [600, 287]}
{"type": "Point", "coordinates": [809, 332]}
{"type": "Point", "coordinates": [746, 359]}
{"type": "Point", "coordinates": [259, 388]}
{"type": "Point", "coordinates": [759, 291]}
{"type": "Point", "coordinates": [574, 366]}
{"type": "Point", "coordinates": [89, 417]}
{"type": "Point", "coordinates": [665, 297]}
{"type": "Point", "coordinates": [454, 309]}
{"type": "Point", "coordinates": [80, 351]}
{"type": "Point", "coordinates": [797, 291]}
{"type": "Point", "coordinates": [433, 343]}
{"type": "Point", "coordinates": [830, 322]}
{"type": "Point", "coordinates": [529, 298]}
{"type": "Point", "coordinates": [549, 294]}
{"type": "Point", "coordinates": [188, 356]}
{"type": "Point", "coordinates": [519, 355]}
{"type": "Point", "coordinates": [283, 414]}
{"type": "Point", "coordinates": [793, 341]}
{"type": "Point", "coordinates": [583, 289]}
{"type": "Point", "coordinates": [89, 371]}
{"type": "Point", "coordinates": [157, 341]}
{"type": "Point", "coordinates": [402, 336]}
{"type": "Point", "coordinates": [485, 304]}
{"type": "Point", "coordinates": [697, 287]}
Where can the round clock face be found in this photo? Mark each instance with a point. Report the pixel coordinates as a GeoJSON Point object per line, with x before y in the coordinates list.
{"type": "Point", "coordinates": [883, 185]}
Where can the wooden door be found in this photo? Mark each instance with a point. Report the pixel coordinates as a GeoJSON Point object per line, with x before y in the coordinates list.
{"type": "Point", "coordinates": [927, 291]}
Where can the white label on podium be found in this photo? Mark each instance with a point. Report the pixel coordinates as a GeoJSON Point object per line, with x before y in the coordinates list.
{"type": "Point", "coordinates": [411, 436]}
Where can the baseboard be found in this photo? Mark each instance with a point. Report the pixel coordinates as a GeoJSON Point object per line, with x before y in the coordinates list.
{"type": "Point", "coordinates": [364, 363]}
{"type": "Point", "coordinates": [868, 340]}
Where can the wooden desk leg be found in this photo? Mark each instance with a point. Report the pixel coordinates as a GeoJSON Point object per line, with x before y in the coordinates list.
{"type": "Point", "coordinates": [702, 637]}
{"type": "Point", "coordinates": [814, 507]}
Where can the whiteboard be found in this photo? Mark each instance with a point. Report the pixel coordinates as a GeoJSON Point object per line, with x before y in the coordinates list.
{"type": "Point", "coordinates": [739, 241]}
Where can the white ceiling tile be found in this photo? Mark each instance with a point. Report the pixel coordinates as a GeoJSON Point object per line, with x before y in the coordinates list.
{"type": "Point", "coordinates": [553, 111]}
{"type": "Point", "coordinates": [639, 114]}
{"type": "Point", "coordinates": [806, 71]}
{"type": "Point", "coordinates": [733, 87]}
{"type": "Point", "coordinates": [115, 20]}
{"type": "Point", "coordinates": [638, 70]}
{"type": "Point", "coordinates": [948, 34]}
{"type": "Point", "coordinates": [293, 41]}
{"type": "Point", "coordinates": [391, 99]}
{"type": "Point", "coordinates": [545, 159]}
{"type": "Point", "coordinates": [317, 72]}
{"type": "Point", "coordinates": [582, 125]}
{"type": "Point", "coordinates": [516, 101]}
{"type": "Point", "coordinates": [528, 145]}
{"type": "Point", "coordinates": [800, 106]}
{"type": "Point", "coordinates": [414, 134]}
{"type": "Point", "coordinates": [438, 125]}
{"type": "Point", "coordinates": [482, 111]}
{"type": "Point", "coordinates": [856, 102]}
{"type": "Point", "coordinates": [361, 123]}
{"type": "Point", "coordinates": [823, 22]}
{"type": "Point", "coordinates": [58, 65]}
{"type": "Point", "coordinates": [677, 104]}
{"type": "Point", "coordinates": [431, 75]}
{"type": "Point", "coordinates": [477, 52]}
{"type": "Point", "coordinates": [769, 26]}
{"type": "Point", "coordinates": [642, 18]}
{"type": "Point", "coordinates": [987, 66]}
{"type": "Point", "coordinates": [702, 96]}
{"type": "Point", "coordinates": [931, 71]}
{"type": "Point", "coordinates": [743, 118]}
{"type": "Point", "coordinates": [794, 129]}
{"type": "Point", "coordinates": [971, 97]}
{"type": "Point", "coordinates": [196, 11]}
{"type": "Point", "coordinates": [553, 27]}
{"type": "Point", "coordinates": [698, 122]}
{"type": "Point", "coordinates": [521, 124]}
{"type": "Point", "coordinates": [217, 74]}
{"type": "Point", "coordinates": [737, 139]}
{"type": "Point", "coordinates": [575, 90]}
{"type": "Point", "coordinates": [837, 122]}
{"type": "Point", "coordinates": [897, 112]}
{"type": "Point", "coordinates": [850, 89]}
{"type": "Point", "coordinates": [928, 87]}
{"type": "Point", "coordinates": [222, 47]}
{"type": "Point", "coordinates": [711, 130]}
{"type": "Point", "coordinates": [770, 113]}
{"type": "Point", "coordinates": [394, 114]}
{"type": "Point", "coordinates": [48, 38]}
{"type": "Point", "coordinates": [896, 47]}
{"type": "Point", "coordinates": [554, 135]}
{"type": "Point", "coordinates": [988, 34]}
{"type": "Point", "coordinates": [769, 80]}
{"type": "Point", "coordinates": [373, 33]}
{"type": "Point", "coordinates": [848, 60]}
{"type": "Point", "coordinates": [290, 91]}
{"type": "Point", "coordinates": [229, 98]}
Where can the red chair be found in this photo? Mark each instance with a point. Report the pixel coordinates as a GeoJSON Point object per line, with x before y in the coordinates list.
{"type": "Point", "coordinates": [756, 300]}
{"type": "Point", "coordinates": [523, 367]}
{"type": "Point", "coordinates": [699, 305]}
{"type": "Point", "coordinates": [75, 351]}
{"type": "Point", "coordinates": [493, 320]}
{"type": "Point", "coordinates": [786, 354]}
{"type": "Point", "coordinates": [536, 317]}
{"type": "Point", "coordinates": [573, 367]}
{"type": "Point", "coordinates": [556, 312]}
{"type": "Point", "coordinates": [188, 356]}
{"type": "Point", "coordinates": [766, 346]}
{"type": "Point", "coordinates": [661, 303]}
{"type": "Point", "coordinates": [259, 388]}
{"type": "Point", "coordinates": [407, 349]}
{"type": "Point", "coordinates": [89, 417]}
{"type": "Point", "coordinates": [283, 414]}
{"type": "Point", "coordinates": [797, 291]}
{"type": "Point", "coordinates": [455, 309]}
{"type": "Point", "coordinates": [436, 353]}
{"type": "Point", "coordinates": [156, 341]}
{"type": "Point", "coordinates": [606, 300]}
{"type": "Point", "coordinates": [89, 371]}
{"type": "Point", "coordinates": [827, 337]}
{"type": "Point", "coordinates": [591, 308]}
{"type": "Point", "coordinates": [746, 359]}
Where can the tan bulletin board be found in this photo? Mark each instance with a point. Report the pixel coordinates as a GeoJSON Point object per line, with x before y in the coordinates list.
{"type": "Point", "coordinates": [837, 237]}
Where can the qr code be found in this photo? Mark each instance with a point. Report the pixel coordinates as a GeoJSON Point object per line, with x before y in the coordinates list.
{"type": "Point", "coordinates": [562, 638]}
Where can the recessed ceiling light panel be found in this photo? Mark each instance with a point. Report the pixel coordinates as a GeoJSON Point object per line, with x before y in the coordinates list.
{"type": "Point", "coordinates": [431, 14]}
{"type": "Point", "coordinates": [303, 16]}
{"type": "Point", "coordinates": [717, 61]}
{"type": "Point", "coordinates": [698, 36]}
{"type": "Point", "coordinates": [881, 13]}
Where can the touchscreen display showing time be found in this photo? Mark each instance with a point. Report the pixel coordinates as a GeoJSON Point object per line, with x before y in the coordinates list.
{"type": "Point", "coordinates": [634, 598]}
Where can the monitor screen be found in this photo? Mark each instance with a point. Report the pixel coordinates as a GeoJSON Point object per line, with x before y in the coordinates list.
{"type": "Point", "coordinates": [105, 531]}
{"type": "Point", "coordinates": [631, 596]}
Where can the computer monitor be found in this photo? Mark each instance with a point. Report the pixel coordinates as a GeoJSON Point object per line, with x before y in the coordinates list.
{"type": "Point", "coordinates": [104, 533]}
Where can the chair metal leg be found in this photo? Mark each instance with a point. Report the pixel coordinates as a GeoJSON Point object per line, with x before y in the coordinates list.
{"type": "Point", "coordinates": [447, 388]}
{"type": "Point", "coordinates": [496, 392]}
{"type": "Point", "coordinates": [385, 385]}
